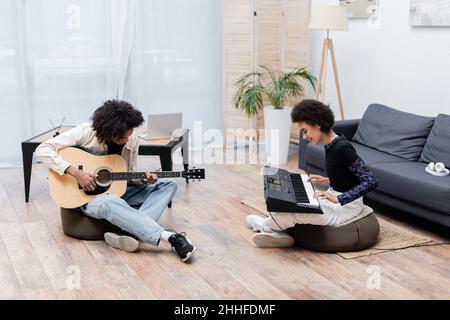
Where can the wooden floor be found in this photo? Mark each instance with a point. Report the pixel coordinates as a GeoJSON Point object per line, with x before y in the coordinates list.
{"type": "Point", "coordinates": [37, 261]}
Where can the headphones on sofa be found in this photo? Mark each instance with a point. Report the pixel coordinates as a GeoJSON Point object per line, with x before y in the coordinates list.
{"type": "Point", "coordinates": [438, 167]}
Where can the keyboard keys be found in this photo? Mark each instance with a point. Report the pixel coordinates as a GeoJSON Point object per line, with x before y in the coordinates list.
{"type": "Point", "coordinates": [298, 188]}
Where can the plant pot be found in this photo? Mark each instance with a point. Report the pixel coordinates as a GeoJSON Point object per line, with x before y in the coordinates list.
{"type": "Point", "coordinates": [277, 123]}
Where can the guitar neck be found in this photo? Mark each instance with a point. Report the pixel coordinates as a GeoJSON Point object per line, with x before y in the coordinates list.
{"type": "Point", "coordinates": [142, 175]}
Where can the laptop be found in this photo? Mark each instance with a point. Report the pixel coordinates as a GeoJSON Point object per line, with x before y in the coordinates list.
{"type": "Point", "coordinates": [161, 126]}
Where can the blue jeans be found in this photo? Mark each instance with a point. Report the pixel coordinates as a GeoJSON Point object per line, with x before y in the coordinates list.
{"type": "Point", "coordinates": [151, 201]}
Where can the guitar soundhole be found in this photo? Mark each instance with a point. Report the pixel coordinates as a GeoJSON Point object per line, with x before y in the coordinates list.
{"type": "Point", "coordinates": [103, 177]}
{"type": "Point", "coordinates": [103, 182]}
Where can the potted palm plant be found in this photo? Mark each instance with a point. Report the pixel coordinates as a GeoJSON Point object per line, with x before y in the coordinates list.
{"type": "Point", "coordinates": [252, 88]}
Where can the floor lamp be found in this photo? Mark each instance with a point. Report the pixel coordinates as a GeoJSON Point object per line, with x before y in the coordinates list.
{"type": "Point", "coordinates": [329, 18]}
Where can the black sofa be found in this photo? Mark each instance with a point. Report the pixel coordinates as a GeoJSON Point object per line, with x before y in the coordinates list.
{"type": "Point", "coordinates": [397, 147]}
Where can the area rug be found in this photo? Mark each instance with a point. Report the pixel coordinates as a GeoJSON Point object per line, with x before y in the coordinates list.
{"type": "Point", "coordinates": [392, 237]}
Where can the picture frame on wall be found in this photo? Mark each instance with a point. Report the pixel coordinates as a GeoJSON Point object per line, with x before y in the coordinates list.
{"type": "Point", "coordinates": [429, 13]}
{"type": "Point", "coordinates": [360, 9]}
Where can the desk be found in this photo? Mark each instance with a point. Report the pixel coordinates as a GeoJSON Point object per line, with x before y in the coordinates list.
{"type": "Point", "coordinates": [28, 148]}
{"type": "Point", "coordinates": [164, 148]}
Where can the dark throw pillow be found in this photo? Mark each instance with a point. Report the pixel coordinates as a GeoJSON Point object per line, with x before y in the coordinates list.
{"type": "Point", "coordinates": [392, 131]}
{"type": "Point", "coordinates": [437, 147]}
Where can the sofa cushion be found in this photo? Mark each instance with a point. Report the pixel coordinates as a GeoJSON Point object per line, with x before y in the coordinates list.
{"type": "Point", "coordinates": [437, 147]}
{"type": "Point", "coordinates": [371, 156]}
{"type": "Point", "coordinates": [410, 182]}
{"type": "Point", "coordinates": [395, 132]}
{"type": "Point", "coordinates": [315, 155]}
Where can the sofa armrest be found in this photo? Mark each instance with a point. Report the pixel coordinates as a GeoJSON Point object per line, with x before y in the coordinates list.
{"type": "Point", "coordinates": [302, 145]}
{"type": "Point", "coordinates": [346, 127]}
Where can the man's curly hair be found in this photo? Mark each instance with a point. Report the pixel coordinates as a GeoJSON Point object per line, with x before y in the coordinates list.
{"type": "Point", "coordinates": [113, 119]}
{"type": "Point", "coordinates": [313, 112]}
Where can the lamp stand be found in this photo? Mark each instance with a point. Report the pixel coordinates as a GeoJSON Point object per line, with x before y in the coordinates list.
{"type": "Point", "coordinates": [328, 46]}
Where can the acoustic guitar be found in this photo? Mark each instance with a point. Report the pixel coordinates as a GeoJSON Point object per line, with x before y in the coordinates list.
{"type": "Point", "coordinates": [110, 173]}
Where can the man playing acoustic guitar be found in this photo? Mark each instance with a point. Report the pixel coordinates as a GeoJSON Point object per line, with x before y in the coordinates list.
{"type": "Point", "coordinates": [111, 132]}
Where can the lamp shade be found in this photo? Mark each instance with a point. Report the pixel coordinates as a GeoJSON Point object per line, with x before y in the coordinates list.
{"type": "Point", "coordinates": [329, 18]}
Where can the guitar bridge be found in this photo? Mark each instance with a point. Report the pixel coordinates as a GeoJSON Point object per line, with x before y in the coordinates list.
{"type": "Point", "coordinates": [80, 167]}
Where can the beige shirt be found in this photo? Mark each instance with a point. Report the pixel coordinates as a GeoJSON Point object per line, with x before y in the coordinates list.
{"type": "Point", "coordinates": [83, 136]}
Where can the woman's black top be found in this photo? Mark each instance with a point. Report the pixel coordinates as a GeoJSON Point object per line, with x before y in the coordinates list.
{"type": "Point", "coordinates": [347, 171]}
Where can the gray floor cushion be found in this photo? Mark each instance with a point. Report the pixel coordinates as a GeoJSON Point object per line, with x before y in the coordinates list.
{"type": "Point", "coordinates": [354, 236]}
{"type": "Point", "coordinates": [78, 225]}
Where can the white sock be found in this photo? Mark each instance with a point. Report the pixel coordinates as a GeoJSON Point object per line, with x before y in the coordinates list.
{"type": "Point", "coordinates": [165, 235]}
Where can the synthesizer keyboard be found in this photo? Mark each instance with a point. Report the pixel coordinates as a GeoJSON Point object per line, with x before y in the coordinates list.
{"type": "Point", "coordinates": [289, 192]}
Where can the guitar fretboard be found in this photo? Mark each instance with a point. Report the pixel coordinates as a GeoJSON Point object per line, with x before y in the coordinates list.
{"type": "Point", "coordinates": [142, 175]}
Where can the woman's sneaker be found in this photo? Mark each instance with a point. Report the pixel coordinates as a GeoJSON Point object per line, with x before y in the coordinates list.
{"type": "Point", "coordinates": [122, 242]}
{"type": "Point", "coordinates": [254, 222]}
{"type": "Point", "coordinates": [272, 240]}
{"type": "Point", "coordinates": [182, 246]}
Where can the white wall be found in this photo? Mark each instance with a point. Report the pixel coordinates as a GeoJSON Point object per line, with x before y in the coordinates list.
{"type": "Point", "coordinates": [401, 66]}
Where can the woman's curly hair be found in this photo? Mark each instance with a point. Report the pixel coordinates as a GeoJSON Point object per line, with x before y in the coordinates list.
{"type": "Point", "coordinates": [313, 112]}
{"type": "Point", "coordinates": [113, 119]}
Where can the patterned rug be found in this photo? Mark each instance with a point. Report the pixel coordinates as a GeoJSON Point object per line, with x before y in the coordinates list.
{"type": "Point", "coordinates": [392, 237]}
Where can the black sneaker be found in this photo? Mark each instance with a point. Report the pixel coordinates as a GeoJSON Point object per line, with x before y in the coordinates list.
{"type": "Point", "coordinates": [182, 245]}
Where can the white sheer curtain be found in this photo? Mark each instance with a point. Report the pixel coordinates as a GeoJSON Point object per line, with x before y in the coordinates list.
{"type": "Point", "coordinates": [63, 58]}
{"type": "Point", "coordinates": [176, 61]}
